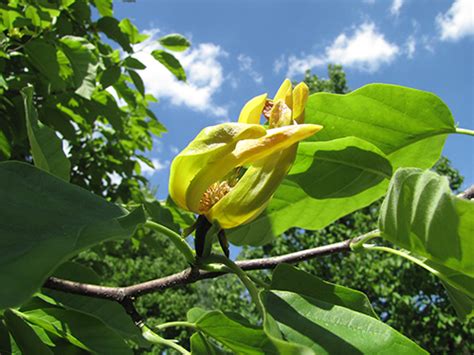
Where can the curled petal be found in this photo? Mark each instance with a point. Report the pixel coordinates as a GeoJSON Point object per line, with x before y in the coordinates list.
{"type": "Point", "coordinates": [284, 93]}
{"type": "Point", "coordinates": [252, 111]}
{"type": "Point", "coordinates": [254, 190]}
{"type": "Point", "coordinates": [210, 147]}
{"type": "Point", "coordinates": [300, 97]}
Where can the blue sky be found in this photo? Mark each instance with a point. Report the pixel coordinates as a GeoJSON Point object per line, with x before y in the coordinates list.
{"type": "Point", "coordinates": [244, 48]}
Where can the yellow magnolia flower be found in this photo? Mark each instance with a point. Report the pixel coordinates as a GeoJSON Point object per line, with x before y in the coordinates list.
{"type": "Point", "coordinates": [230, 171]}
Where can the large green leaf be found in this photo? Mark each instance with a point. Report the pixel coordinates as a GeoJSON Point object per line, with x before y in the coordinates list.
{"type": "Point", "coordinates": [421, 215]}
{"type": "Point", "coordinates": [45, 221]}
{"type": "Point", "coordinates": [80, 330]}
{"type": "Point", "coordinates": [131, 31]}
{"type": "Point", "coordinates": [328, 180]}
{"type": "Point", "coordinates": [174, 42]}
{"type": "Point", "coordinates": [236, 335]}
{"type": "Point", "coordinates": [171, 63]}
{"type": "Point", "coordinates": [331, 329]}
{"type": "Point", "coordinates": [24, 336]}
{"type": "Point", "coordinates": [409, 126]}
{"type": "Point", "coordinates": [104, 7]}
{"type": "Point", "coordinates": [288, 278]}
{"type": "Point", "coordinates": [83, 62]}
{"type": "Point", "coordinates": [110, 27]}
{"type": "Point", "coordinates": [46, 147]}
{"type": "Point", "coordinates": [109, 312]}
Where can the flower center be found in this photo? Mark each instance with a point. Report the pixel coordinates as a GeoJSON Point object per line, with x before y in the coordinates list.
{"type": "Point", "coordinates": [212, 195]}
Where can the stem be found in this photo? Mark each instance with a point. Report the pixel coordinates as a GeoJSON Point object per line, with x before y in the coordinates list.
{"type": "Point", "coordinates": [466, 131]}
{"type": "Point", "coordinates": [408, 257]}
{"type": "Point", "coordinates": [154, 338]}
{"type": "Point", "coordinates": [175, 238]}
{"type": "Point", "coordinates": [359, 243]}
{"type": "Point", "coordinates": [175, 324]}
{"type": "Point", "coordinates": [253, 291]}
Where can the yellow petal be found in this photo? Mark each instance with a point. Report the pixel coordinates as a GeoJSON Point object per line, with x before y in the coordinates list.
{"type": "Point", "coordinates": [211, 145]}
{"type": "Point", "coordinates": [244, 152]}
{"type": "Point", "coordinates": [300, 97]}
{"type": "Point", "coordinates": [253, 191]}
{"type": "Point", "coordinates": [252, 111]}
{"type": "Point", "coordinates": [284, 93]}
{"type": "Point", "coordinates": [276, 139]}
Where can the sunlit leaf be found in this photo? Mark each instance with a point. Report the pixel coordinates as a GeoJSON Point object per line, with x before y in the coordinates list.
{"type": "Point", "coordinates": [175, 42]}
{"type": "Point", "coordinates": [170, 63]}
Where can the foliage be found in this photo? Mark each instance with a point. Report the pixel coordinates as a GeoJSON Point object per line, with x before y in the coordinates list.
{"type": "Point", "coordinates": [83, 87]}
{"type": "Point", "coordinates": [378, 139]}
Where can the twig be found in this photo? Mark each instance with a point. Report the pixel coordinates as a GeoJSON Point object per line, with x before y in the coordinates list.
{"type": "Point", "coordinates": [190, 275]}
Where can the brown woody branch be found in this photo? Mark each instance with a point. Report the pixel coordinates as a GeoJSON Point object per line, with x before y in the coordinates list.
{"type": "Point", "coordinates": [124, 294]}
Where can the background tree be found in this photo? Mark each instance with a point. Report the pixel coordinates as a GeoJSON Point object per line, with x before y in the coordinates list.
{"type": "Point", "coordinates": [405, 296]}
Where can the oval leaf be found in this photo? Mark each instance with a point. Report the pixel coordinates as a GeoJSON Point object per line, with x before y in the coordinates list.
{"type": "Point", "coordinates": [175, 42]}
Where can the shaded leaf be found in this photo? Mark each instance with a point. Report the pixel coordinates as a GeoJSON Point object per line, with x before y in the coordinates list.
{"type": "Point", "coordinates": [175, 42]}
{"type": "Point", "coordinates": [201, 346]}
{"type": "Point", "coordinates": [170, 63]}
{"type": "Point", "coordinates": [288, 278]}
{"type": "Point", "coordinates": [85, 332]}
{"type": "Point", "coordinates": [137, 81]}
{"type": "Point", "coordinates": [133, 63]}
{"type": "Point", "coordinates": [241, 338]}
{"type": "Point", "coordinates": [421, 215]}
{"type": "Point", "coordinates": [110, 76]}
{"type": "Point", "coordinates": [49, 221]}
{"type": "Point", "coordinates": [110, 26]}
{"type": "Point", "coordinates": [46, 147]}
{"type": "Point", "coordinates": [109, 312]}
{"type": "Point", "coordinates": [332, 329]}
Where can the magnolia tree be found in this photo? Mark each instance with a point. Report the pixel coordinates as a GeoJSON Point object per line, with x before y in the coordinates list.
{"type": "Point", "coordinates": [295, 160]}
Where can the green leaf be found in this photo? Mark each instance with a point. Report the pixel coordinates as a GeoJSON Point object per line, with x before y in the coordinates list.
{"type": "Point", "coordinates": [137, 81]}
{"type": "Point", "coordinates": [109, 312]}
{"type": "Point", "coordinates": [49, 221]}
{"type": "Point", "coordinates": [5, 148]}
{"type": "Point", "coordinates": [330, 179]}
{"type": "Point", "coordinates": [170, 63]}
{"type": "Point", "coordinates": [46, 147]}
{"type": "Point", "coordinates": [175, 42]}
{"type": "Point", "coordinates": [110, 27]}
{"type": "Point", "coordinates": [409, 126]}
{"type": "Point", "coordinates": [462, 303]}
{"type": "Point", "coordinates": [104, 7]}
{"type": "Point", "coordinates": [131, 31]}
{"type": "Point", "coordinates": [331, 329]}
{"type": "Point", "coordinates": [133, 63]}
{"type": "Point", "coordinates": [201, 346]}
{"type": "Point", "coordinates": [25, 337]}
{"type": "Point", "coordinates": [85, 332]}
{"type": "Point", "coordinates": [421, 215]}
{"type": "Point", "coordinates": [160, 214]}
{"type": "Point", "coordinates": [110, 76]}
{"type": "Point", "coordinates": [240, 338]}
{"type": "Point", "coordinates": [43, 56]}
{"type": "Point", "coordinates": [288, 278]}
{"type": "Point", "coordinates": [5, 344]}
{"type": "Point", "coordinates": [84, 64]}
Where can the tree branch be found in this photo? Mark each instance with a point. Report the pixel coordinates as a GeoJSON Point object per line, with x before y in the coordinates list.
{"type": "Point", "coordinates": [190, 275]}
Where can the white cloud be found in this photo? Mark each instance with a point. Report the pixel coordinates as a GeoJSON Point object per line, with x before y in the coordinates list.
{"type": "Point", "coordinates": [147, 171]}
{"type": "Point", "coordinates": [246, 66]}
{"type": "Point", "coordinates": [204, 76]}
{"type": "Point", "coordinates": [410, 46]}
{"type": "Point", "coordinates": [366, 49]}
{"type": "Point", "coordinates": [457, 22]}
{"type": "Point", "coordinates": [396, 6]}
{"type": "Point", "coordinates": [279, 64]}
